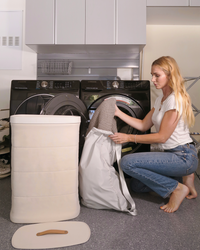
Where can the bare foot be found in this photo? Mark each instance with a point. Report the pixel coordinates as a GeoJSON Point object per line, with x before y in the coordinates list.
{"type": "Point", "coordinates": [176, 198]}
{"type": "Point", "coordinates": [189, 182]}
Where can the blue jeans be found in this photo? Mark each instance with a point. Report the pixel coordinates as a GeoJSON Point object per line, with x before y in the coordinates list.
{"type": "Point", "coordinates": [159, 171]}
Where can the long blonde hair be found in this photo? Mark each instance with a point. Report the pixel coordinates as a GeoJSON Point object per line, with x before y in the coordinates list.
{"type": "Point", "coordinates": [177, 83]}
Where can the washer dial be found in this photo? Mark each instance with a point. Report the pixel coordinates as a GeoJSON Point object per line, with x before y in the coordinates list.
{"type": "Point", "coordinates": [115, 84]}
{"type": "Point", "coordinates": [44, 84]}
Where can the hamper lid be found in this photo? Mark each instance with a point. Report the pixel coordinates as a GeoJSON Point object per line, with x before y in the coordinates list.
{"type": "Point", "coordinates": [44, 235]}
{"type": "Point", "coordinates": [44, 119]}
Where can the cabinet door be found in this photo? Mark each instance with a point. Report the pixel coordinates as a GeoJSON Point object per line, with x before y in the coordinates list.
{"type": "Point", "coordinates": [167, 3]}
{"type": "Point", "coordinates": [194, 2]}
{"type": "Point", "coordinates": [70, 22]}
{"type": "Point", "coordinates": [131, 22]}
{"type": "Point", "coordinates": [100, 22]}
{"type": "Point", "coordinates": [39, 22]}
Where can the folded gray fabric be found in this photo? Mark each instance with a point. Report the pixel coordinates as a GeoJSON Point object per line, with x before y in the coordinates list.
{"type": "Point", "coordinates": [103, 117]}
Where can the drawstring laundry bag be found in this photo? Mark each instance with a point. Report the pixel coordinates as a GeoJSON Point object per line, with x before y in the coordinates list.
{"type": "Point", "coordinates": [101, 187]}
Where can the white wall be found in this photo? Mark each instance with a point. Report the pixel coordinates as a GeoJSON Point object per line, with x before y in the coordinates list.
{"type": "Point", "coordinates": [183, 44]}
{"type": "Point", "coordinates": [28, 70]}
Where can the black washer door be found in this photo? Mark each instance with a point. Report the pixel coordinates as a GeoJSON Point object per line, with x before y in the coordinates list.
{"type": "Point", "coordinates": [68, 104]}
{"type": "Point", "coordinates": [128, 106]}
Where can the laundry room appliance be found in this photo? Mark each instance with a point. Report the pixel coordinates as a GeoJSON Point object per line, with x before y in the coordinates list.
{"type": "Point", "coordinates": [49, 97]}
{"type": "Point", "coordinates": [133, 98]}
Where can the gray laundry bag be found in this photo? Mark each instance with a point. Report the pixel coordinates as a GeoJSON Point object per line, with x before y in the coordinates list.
{"type": "Point", "coordinates": [101, 187]}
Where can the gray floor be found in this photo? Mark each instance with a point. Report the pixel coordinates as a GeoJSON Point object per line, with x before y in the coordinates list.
{"type": "Point", "coordinates": [151, 229]}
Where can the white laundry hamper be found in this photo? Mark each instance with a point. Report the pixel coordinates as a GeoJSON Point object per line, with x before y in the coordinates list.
{"type": "Point", "coordinates": [44, 168]}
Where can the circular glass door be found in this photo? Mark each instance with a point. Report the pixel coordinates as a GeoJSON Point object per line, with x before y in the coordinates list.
{"type": "Point", "coordinates": [129, 107]}
{"type": "Point", "coordinates": [33, 104]}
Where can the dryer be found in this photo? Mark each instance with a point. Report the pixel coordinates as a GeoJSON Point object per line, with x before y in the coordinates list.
{"type": "Point", "coordinates": [49, 97]}
{"type": "Point", "coordinates": [133, 98]}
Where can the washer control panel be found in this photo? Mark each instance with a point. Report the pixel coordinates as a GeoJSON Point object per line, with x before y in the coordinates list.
{"type": "Point", "coordinates": [59, 85]}
{"type": "Point", "coordinates": [116, 85]}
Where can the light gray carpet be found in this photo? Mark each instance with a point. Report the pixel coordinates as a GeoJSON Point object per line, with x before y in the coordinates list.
{"type": "Point", "coordinates": [151, 229]}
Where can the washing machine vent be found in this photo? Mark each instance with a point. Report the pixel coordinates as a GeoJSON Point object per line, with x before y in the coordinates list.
{"type": "Point", "coordinates": [56, 67]}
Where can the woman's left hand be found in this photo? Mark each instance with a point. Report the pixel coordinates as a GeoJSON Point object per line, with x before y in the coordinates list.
{"type": "Point", "coordinates": [119, 138]}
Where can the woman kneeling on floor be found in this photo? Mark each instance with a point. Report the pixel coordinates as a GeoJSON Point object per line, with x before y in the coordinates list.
{"type": "Point", "coordinates": [171, 115]}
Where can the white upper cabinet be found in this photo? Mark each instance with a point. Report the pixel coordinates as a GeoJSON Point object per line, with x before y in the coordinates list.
{"type": "Point", "coordinates": [70, 22]}
{"type": "Point", "coordinates": [78, 22]}
{"type": "Point", "coordinates": [194, 2]}
{"type": "Point", "coordinates": [115, 22]}
{"type": "Point", "coordinates": [100, 21]}
{"type": "Point", "coordinates": [167, 3]}
{"type": "Point", "coordinates": [130, 22]}
{"type": "Point", "coordinates": [39, 28]}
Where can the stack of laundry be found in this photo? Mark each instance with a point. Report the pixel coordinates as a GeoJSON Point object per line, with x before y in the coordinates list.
{"type": "Point", "coordinates": [4, 149]}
